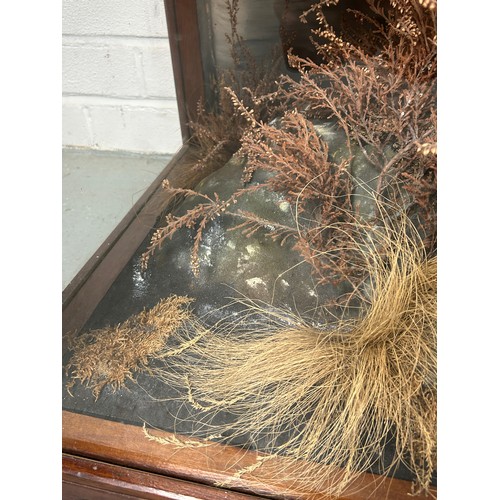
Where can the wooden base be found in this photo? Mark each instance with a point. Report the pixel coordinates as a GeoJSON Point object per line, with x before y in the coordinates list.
{"type": "Point", "coordinates": [101, 456]}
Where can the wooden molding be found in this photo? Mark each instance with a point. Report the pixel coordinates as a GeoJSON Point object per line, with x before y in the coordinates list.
{"type": "Point", "coordinates": [127, 446]}
{"type": "Point", "coordinates": [97, 480]}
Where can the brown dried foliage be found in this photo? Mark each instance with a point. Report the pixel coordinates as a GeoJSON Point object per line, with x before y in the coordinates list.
{"type": "Point", "coordinates": [195, 218]}
{"type": "Point", "coordinates": [314, 184]}
{"type": "Point", "coordinates": [217, 129]}
{"type": "Point", "coordinates": [110, 356]}
{"type": "Point", "coordinates": [380, 89]}
{"type": "Point", "coordinates": [384, 101]}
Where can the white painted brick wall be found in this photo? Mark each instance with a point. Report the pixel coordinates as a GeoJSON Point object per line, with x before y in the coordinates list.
{"type": "Point", "coordinates": [118, 85]}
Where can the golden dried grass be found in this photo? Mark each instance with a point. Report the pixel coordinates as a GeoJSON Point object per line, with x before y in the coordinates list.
{"type": "Point", "coordinates": [336, 396]}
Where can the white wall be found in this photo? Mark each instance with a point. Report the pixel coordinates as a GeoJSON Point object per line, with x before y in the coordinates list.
{"type": "Point", "coordinates": [118, 87]}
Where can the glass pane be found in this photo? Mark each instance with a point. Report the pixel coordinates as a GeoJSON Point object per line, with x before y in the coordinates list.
{"type": "Point", "coordinates": [120, 118]}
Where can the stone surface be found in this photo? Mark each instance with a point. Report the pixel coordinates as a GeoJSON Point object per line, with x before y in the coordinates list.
{"type": "Point", "coordinates": [234, 265]}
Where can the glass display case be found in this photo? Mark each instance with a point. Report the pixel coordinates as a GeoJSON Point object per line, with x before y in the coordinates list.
{"type": "Point", "coordinates": [130, 441]}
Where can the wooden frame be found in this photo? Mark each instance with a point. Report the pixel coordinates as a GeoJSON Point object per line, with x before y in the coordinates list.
{"type": "Point", "coordinates": [109, 460]}
{"type": "Point", "coordinates": [108, 455]}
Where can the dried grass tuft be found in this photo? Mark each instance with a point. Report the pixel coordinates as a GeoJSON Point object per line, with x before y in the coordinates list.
{"type": "Point", "coordinates": [334, 396]}
{"type": "Point", "coordinates": [109, 356]}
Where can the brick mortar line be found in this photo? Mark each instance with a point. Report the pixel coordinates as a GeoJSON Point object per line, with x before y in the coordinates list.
{"type": "Point", "coordinates": [100, 100]}
{"type": "Point", "coordinates": [117, 40]}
